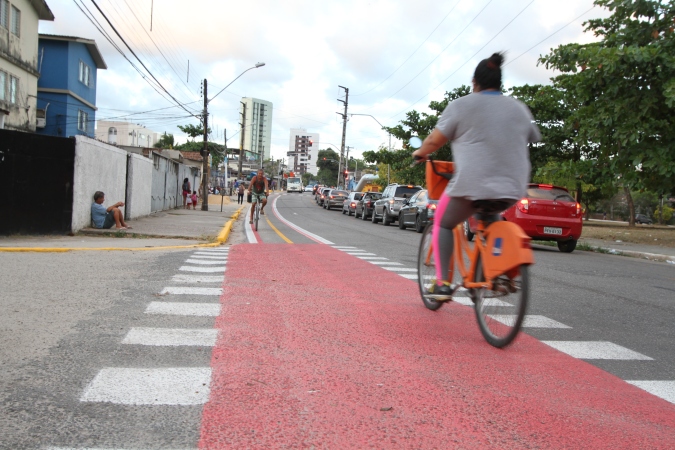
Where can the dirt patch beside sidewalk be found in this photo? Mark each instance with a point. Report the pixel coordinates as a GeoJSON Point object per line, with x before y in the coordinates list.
{"type": "Point", "coordinates": [640, 234]}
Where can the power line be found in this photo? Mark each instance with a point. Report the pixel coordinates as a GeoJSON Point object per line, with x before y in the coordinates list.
{"type": "Point", "coordinates": [411, 55]}
{"type": "Point", "coordinates": [139, 60]}
{"type": "Point", "coordinates": [469, 59]}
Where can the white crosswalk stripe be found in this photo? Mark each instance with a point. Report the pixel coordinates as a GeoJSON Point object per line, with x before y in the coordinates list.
{"type": "Point", "coordinates": [187, 290]}
{"type": "Point", "coordinates": [661, 388]}
{"type": "Point", "coordinates": [596, 350]}
{"type": "Point", "coordinates": [171, 337]}
{"type": "Point", "coordinates": [184, 309]}
{"type": "Point", "coordinates": [206, 262]}
{"type": "Point", "coordinates": [202, 269]}
{"type": "Point", "coordinates": [198, 278]}
{"type": "Point", "coordinates": [166, 386]}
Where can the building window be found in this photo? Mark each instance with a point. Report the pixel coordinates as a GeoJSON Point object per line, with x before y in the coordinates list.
{"type": "Point", "coordinates": [13, 89]}
{"type": "Point", "coordinates": [85, 74]}
{"type": "Point", "coordinates": [82, 119]}
{"type": "Point", "coordinates": [4, 13]}
{"type": "Point", "coordinates": [112, 131]}
{"type": "Point", "coordinates": [16, 21]}
{"type": "Point", "coordinates": [3, 86]}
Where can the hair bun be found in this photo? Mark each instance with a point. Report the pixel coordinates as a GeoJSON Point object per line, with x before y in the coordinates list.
{"type": "Point", "coordinates": [496, 59]}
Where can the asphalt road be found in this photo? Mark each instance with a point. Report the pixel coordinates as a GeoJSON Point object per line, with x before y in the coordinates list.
{"type": "Point", "coordinates": [601, 298]}
{"type": "Point", "coordinates": [65, 317]}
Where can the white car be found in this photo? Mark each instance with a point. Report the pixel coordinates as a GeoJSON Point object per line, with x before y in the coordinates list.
{"type": "Point", "coordinates": [309, 188]}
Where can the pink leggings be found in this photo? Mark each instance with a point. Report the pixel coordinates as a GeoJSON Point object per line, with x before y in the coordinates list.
{"type": "Point", "coordinates": [448, 216]}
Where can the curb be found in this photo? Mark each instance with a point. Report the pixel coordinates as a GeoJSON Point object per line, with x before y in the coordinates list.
{"type": "Point", "coordinates": [222, 237]}
{"type": "Point", "coordinates": [634, 254]}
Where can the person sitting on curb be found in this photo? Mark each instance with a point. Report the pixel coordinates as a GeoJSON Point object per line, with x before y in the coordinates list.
{"type": "Point", "coordinates": [106, 218]}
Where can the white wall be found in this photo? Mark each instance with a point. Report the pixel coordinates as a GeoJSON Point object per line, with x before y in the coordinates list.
{"type": "Point", "coordinates": [98, 167]}
{"type": "Point", "coordinates": [139, 187]}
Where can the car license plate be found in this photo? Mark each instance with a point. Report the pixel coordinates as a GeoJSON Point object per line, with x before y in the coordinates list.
{"type": "Point", "coordinates": [552, 230]}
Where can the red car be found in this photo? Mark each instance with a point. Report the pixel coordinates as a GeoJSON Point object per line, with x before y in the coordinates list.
{"type": "Point", "coordinates": [547, 213]}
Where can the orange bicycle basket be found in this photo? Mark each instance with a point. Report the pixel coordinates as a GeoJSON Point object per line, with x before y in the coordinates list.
{"type": "Point", "coordinates": [438, 173]}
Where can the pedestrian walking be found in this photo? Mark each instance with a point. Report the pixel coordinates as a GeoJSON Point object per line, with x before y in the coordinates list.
{"type": "Point", "coordinates": [240, 194]}
{"type": "Point", "coordinates": [186, 191]}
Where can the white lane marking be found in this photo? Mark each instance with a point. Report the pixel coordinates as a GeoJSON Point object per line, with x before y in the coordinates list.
{"type": "Point", "coordinates": [531, 321]}
{"type": "Point", "coordinates": [174, 386]}
{"type": "Point", "coordinates": [202, 269]}
{"type": "Point", "coordinates": [409, 276]}
{"type": "Point", "coordinates": [361, 254]}
{"type": "Point", "coordinates": [187, 290]}
{"type": "Point", "coordinates": [386, 263]}
{"type": "Point", "coordinates": [297, 228]}
{"type": "Point", "coordinates": [184, 309]}
{"type": "Point", "coordinates": [340, 247]}
{"type": "Point", "coordinates": [596, 350]}
{"type": "Point", "coordinates": [198, 278]}
{"type": "Point", "coordinates": [248, 228]}
{"type": "Point", "coordinates": [171, 337]}
{"type": "Point", "coordinates": [372, 258]}
{"type": "Point", "coordinates": [205, 257]}
{"type": "Point", "coordinates": [664, 389]}
{"type": "Point", "coordinates": [399, 269]}
{"type": "Point", "coordinates": [213, 250]}
{"type": "Point", "coordinates": [466, 301]}
{"type": "Point", "coordinates": [205, 262]}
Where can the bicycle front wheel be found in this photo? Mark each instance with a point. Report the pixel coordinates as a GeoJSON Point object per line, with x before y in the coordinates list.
{"type": "Point", "coordinates": [257, 217]}
{"type": "Point", "coordinates": [426, 269]}
{"type": "Point", "coordinates": [500, 311]}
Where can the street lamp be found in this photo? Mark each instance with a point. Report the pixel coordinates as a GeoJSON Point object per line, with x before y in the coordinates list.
{"type": "Point", "coordinates": [205, 121]}
{"type": "Point", "coordinates": [372, 117]}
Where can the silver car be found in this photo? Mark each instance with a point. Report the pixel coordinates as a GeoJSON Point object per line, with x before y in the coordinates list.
{"type": "Point", "coordinates": [335, 197]}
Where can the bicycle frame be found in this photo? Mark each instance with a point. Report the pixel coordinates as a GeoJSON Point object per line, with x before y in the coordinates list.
{"type": "Point", "coordinates": [506, 248]}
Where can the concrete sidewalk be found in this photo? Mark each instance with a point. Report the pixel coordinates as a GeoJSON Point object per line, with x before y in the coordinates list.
{"type": "Point", "coordinates": [173, 228]}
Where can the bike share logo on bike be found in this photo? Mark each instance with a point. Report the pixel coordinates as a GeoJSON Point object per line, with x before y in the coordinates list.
{"type": "Point", "coordinates": [497, 249]}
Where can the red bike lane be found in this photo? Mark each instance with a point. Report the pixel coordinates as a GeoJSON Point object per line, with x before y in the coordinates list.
{"type": "Point", "coordinates": [320, 349]}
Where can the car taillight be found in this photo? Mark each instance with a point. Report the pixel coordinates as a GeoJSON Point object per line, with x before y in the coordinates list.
{"type": "Point", "coordinates": [353, 205]}
{"type": "Point", "coordinates": [431, 206]}
{"type": "Point", "coordinates": [545, 186]}
{"type": "Point", "coordinates": [524, 205]}
{"type": "Point", "coordinates": [578, 208]}
{"type": "Point", "coordinates": [368, 204]}
{"type": "Point", "coordinates": [391, 201]}
{"type": "Point", "coordinates": [332, 197]}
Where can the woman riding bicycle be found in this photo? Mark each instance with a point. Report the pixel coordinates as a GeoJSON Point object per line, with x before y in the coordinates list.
{"type": "Point", "coordinates": [489, 133]}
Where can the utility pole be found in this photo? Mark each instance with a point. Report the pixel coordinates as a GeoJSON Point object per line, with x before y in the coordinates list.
{"type": "Point", "coordinates": [227, 179]}
{"type": "Point", "coordinates": [344, 132]}
{"type": "Point", "coordinates": [241, 141]}
{"type": "Point", "coordinates": [205, 154]}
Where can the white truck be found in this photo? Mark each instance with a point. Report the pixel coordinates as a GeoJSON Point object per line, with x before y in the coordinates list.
{"type": "Point", "coordinates": [294, 184]}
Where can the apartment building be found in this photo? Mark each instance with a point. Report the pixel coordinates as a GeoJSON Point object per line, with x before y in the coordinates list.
{"type": "Point", "coordinates": [303, 150]}
{"type": "Point", "coordinates": [257, 128]}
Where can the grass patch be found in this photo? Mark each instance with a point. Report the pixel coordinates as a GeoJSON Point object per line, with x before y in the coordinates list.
{"type": "Point", "coordinates": [640, 234]}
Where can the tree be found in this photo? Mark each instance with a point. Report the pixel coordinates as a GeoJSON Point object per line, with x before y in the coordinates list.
{"type": "Point", "coordinates": [166, 141]}
{"type": "Point", "coordinates": [217, 151]}
{"type": "Point", "coordinates": [193, 130]}
{"type": "Point", "coordinates": [625, 85]}
{"type": "Point", "coordinates": [327, 162]}
{"type": "Point", "coordinates": [415, 124]}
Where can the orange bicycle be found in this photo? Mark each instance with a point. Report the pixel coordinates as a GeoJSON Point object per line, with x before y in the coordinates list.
{"type": "Point", "coordinates": [495, 272]}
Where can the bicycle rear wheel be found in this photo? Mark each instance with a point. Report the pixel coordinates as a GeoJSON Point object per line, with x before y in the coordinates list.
{"type": "Point", "coordinates": [500, 311]}
{"type": "Point", "coordinates": [426, 269]}
{"type": "Point", "coordinates": [257, 216]}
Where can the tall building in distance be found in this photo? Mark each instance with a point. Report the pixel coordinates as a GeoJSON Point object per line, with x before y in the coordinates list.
{"type": "Point", "coordinates": [258, 131]}
{"type": "Point", "coordinates": [303, 151]}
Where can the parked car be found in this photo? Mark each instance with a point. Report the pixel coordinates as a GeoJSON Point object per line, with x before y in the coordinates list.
{"type": "Point", "coordinates": [334, 197]}
{"type": "Point", "coordinates": [321, 195]}
{"type": "Point", "coordinates": [417, 211]}
{"type": "Point", "coordinates": [641, 218]}
{"type": "Point", "coordinates": [349, 205]}
{"type": "Point", "coordinates": [387, 207]}
{"type": "Point", "coordinates": [546, 213]}
{"type": "Point", "coordinates": [364, 207]}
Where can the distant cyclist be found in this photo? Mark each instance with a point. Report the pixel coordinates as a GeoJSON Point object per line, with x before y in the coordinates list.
{"type": "Point", "coordinates": [259, 192]}
{"type": "Point", "coordinates": [489, 133]}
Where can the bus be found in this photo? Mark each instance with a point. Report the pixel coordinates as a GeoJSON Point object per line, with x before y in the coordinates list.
{"type": "Point", "coordinates": [294, 184]}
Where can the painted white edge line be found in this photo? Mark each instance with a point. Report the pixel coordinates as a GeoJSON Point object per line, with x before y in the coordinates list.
{"type": "Point", "coordinates": [302, 231]}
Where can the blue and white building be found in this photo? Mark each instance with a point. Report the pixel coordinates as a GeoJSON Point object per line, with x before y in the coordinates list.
{"type": "Point", "coordinates": [66, 98]}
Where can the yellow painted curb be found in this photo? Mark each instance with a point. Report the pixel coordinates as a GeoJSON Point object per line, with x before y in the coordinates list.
{"type": "Point", "coordinates": [225, 232]}
{"type": "Point", "coordinates": [222, 237]}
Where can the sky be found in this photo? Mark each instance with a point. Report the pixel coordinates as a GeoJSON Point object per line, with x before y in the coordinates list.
{"type": "Point", "coordinates": [394, 56]}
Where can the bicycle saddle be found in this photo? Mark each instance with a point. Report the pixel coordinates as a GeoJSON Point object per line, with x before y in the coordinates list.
{"type": "Point", "coordinates": [487, 209]}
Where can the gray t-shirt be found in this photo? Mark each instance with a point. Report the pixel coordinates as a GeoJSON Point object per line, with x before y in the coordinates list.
{"type": "Point", "coordinates": [489, 135]}
{"type": "Point", "coordinates": [98, 213]}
